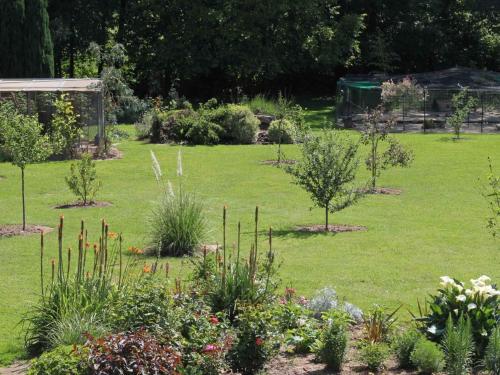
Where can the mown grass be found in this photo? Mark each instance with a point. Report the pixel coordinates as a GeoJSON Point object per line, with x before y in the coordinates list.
{"type": "Point", "coordinates": [436, 227]}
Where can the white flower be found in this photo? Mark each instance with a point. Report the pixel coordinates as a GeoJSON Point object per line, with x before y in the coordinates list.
{"type": "Point", "coordinates": [447, 281]}
{"type": "Point", "coordinates": [484, 279]}
{"type": "Point", "coordinates": [461, 298]}
{"type": "Point", "coordinates": [471, 306]}
{"type": "Point", "coordinates": [455, 311]}
{"type": "Point", "coordinates": [468, 292]}
{"type": "Point", "coordinates": [301, 322]}
{"type": "Point", "coordinates": [179, 163]}
{"type": "Point", "coordinates": [432, 329]}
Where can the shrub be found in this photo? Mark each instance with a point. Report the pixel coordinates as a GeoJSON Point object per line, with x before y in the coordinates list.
{"type": "Point", "coordinates": [303, 337]}
{"type": "Point", "coordinates": [144, 126]}
{"type": "Point", "coordinates": [492, 353]}
{"type": "Point", "coordinates": [373, 355]}
{"type": "Point", "coordinates": [177, 224]}
{"type": "Point", "coordinates": [377, 324]}
{"type": "Point", "coordinates": [478, 304]}
{"type": "Point", "coordinates": [403, 345]}
{"type": "Point", "coordinates": [200, 130]}
{"type": "Point", "coordinates": [427, 357]}
{"type": "Point", "coordinates": [64, 360]}
{"type": "Point", "coordinates": [281, 131]}
{"type": "Point", "coordinates": [256, 341]}
{"type": "Point", "coordinates": [239, 123]}
{"type": "Point", "coordinates": [331, 347]}
{"type": "Point", "coordinates": [64, 129]}
{"type": "Point", "coordinates": [326, 299]}
{"type": "Point", "coordinates": [144, 304]}
{"type": "Point", "coordinates": [259, 104]}
{"type": "Point", "coordinates": [458, 346]}
{"type": "Point", "coordinates": [131, 353]}
{"type": "Point", "coordinates": [83, 181]}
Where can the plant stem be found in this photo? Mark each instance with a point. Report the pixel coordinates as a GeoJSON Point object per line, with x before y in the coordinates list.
{"type": "Point", "coordinates": [23, 198]}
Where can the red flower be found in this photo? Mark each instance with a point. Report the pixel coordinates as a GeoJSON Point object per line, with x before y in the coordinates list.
{"type": "Point", "coordinates": [210, 348]}
{"type": "Point", "coordinates": [213, 320]}
{"type": "Point", "coordinates": [259, 341]}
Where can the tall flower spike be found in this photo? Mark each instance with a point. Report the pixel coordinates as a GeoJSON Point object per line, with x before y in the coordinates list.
{"type": "Point", "coordinates": [156, 167]}
{"type": "Point", "coordinates": [170, 189]}
{"type": "Point", "coordinates": [179, 163]}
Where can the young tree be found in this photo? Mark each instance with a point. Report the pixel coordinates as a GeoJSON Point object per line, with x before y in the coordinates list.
{"type": "Point", "coordinates": [23, 141]}
{"type": "Point", "coordinates": [83, 181]}
{"type": "Point", "coordinates": [375, 132]}
{"type": "Point", "coordinates": [462, 104]}
{"type": "Point", "coordinates": [327, 171]}
{"type": "Point", "coordinates": [492, 194]}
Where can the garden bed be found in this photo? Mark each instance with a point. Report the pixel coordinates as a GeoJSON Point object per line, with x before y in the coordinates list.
{"type": "Point", "coordinates": [382, 190]}
{"type": "Point", "coordinates": [81, 205]}
{"type": "Point", "coordinates": [10, 230]}
{"type": "Point", "coordinates": [332, 228]}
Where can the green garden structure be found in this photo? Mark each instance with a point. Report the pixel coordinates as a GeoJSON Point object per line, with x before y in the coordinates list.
{"type": "Point", "coordinates": [358, 93]}
{"type": "Point", "coordinates": [36, 97]}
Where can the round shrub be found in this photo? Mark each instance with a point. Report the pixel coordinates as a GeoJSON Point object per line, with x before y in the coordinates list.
{"type": "Point", "coordinates": [374, 354]}
{"type": "Point", "coordinates": [281, 131]}
{"type": "Point", "coordinates": [331, 347]}
{"type": "Point", "coordinates": [403, 345]}
{"type": "Point", "coordinates": [177, 224]}
{"type": "Point", "coordinates": [427, 357]}
{"type": "Point", "coordinates": [64, 360]}
{"type": "Point", "coordinates": [238, 122]}
{"type": "Point", "coordinates": [200, 130]}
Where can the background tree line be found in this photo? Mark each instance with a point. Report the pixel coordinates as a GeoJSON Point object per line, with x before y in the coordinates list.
{"type": "Point", "coordinates": [219, 47]}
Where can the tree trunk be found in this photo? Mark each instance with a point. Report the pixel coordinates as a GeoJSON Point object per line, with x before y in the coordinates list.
{"type": "Point", "coordinates": [24, 201]}
{"type": "Point", "coordinates": [326, 218]}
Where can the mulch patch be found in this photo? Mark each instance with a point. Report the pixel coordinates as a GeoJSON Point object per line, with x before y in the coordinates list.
{"type": "Point", "coordinates": [382, 190]}
{"type": "Point", "coordinates": [332, 228]}
{"type": "Point", "coordinates": [81, 205]}
{"type": "Point", "coordinates": [11, 230]}
{"type": "Point", "coordinates": [275, 162]}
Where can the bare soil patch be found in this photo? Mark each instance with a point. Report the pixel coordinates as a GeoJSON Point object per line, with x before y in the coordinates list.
{"type": "Point", "coordinates": [17, 368]}
{"type": "Point", "coordinates": [382, 190]}
{"type": "Point", "coordinates": [275, 162]}
{"type": "Point", "coordinates": [332, 228]}
{"type": "Point", "coordinates": [11, 230]}
{"type": "Point", "coordinates": [81, 205]}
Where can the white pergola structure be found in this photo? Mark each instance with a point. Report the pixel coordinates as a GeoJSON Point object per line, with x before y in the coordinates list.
{"type": "Point", "coordinates": [73, 86]}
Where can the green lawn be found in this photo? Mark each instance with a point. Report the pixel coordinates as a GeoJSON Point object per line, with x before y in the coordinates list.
{"type": "Point", "coordinates": [436, 227]}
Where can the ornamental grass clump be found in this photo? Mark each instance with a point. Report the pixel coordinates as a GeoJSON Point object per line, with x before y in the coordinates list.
{"type": "Point", "coordinates": [177, 223]}
{"type": "Point", "coordinates": [75, 299]}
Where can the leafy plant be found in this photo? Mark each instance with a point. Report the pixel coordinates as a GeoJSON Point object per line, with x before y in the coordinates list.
{"type": "Point", "coordinates": [377, 324]}
{"type": "Point", "coordinates": [462, 104]}
{"type": "Point", "coordinates": [256, 341]}
{"type": "Point", "coordinates": [131, 353]}
{"type": "Point", "coordinates": [63, 360]}
{"type": "Point", "coordinates": [326, 299]}
{"type": "Point", "coordinates": [427, 357]}
{"type": "Point", "coordinates": [492, 353]}
{"type": "Point", "coordinates": [403, 345]}
{"type": "Point", "coordinates": [83, 180]}
{"type": "Point", "coordinates": [331, 346]}
{"type": "Point", "coordinates": [479, 304]}
{"type": "Point", "coordinates": [374, 354]}
{"type": "Point", "coordinates": [458, 346]}
{"type": "Point", "coordinates": [23, 141]}
{"type": "Point", "coordinates": [239, 124]}
{"type": "Point", "coordinates": [64, 130]}
{"type": "Point", "coordinates": [260, 104]}
{"type": "Point", "coordinates": [327, 171]}
{"type": "Point", "coordinates": [376, 131]}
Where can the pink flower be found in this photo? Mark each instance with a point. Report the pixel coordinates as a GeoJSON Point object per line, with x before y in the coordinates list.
{"type": "Point", "coordinates": [213, 320]}
{"type": "Point", "coordinates": [259, 341]}
{"type": "Point", "coordinates": [210, 348]}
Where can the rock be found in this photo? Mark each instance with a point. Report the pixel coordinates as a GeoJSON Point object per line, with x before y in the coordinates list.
{"type": "Point", "coordinates": [265, 120]}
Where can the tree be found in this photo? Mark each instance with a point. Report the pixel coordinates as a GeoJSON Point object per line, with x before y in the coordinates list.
{"type": "Point", "coordinates": [462, 105]}
{"type": "Point", "coordinates": [327, 170]}
{"type": "Point", "coordinates": [38, 47]}
{"type": "Point", "coordinates": [23, 141]}
{"type": "Point", "coordinates": [83, 181]}
{"type": "Point", "coordinates": [11, 33]}
{"type": "Point", "coordinates": [375, 132]}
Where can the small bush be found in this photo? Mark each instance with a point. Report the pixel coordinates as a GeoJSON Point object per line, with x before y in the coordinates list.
{"type": "Point", "coordinates": [131, 353]}
{"type": "Point", "coordinates": [239, 123]}
{"type": "Point", "coordinates": [63, 360]}
{"type": "Point", "coordinates": [83, 181]}
{"type": "Point", "coordinates": [326, 299]}
{"type": "Point", "coordinates": [492, 353]}
{"type": "Point", "coordinates": [256, 341]}
{"type": "Point", "coordinates": [378, 323]}
{"type": "Point", "coordinates": [427, 357]}
{"type": "Point", "coordinates": [259, 104]}
{"type": "Point", "coordinates": [64, 129]}
{"type": "Point", "coordinates": [403, 345]}
{"type": "Point", "coordinates": [331, 347]}
{"type": "Point", "coordinates": [373, 355]}
{"type": "Point", "coordinates": [144, 126]}
{"type": "Point", "coordinates": [177, 224]}
{"type": "Point", "coordinates": [200, 130]}
{"type": "Point", "coordinates": [281, 131]}
{"type": "Point", "coordinates": [458, 346]}
{"type": "Point", "coordinates": [71, 328]}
